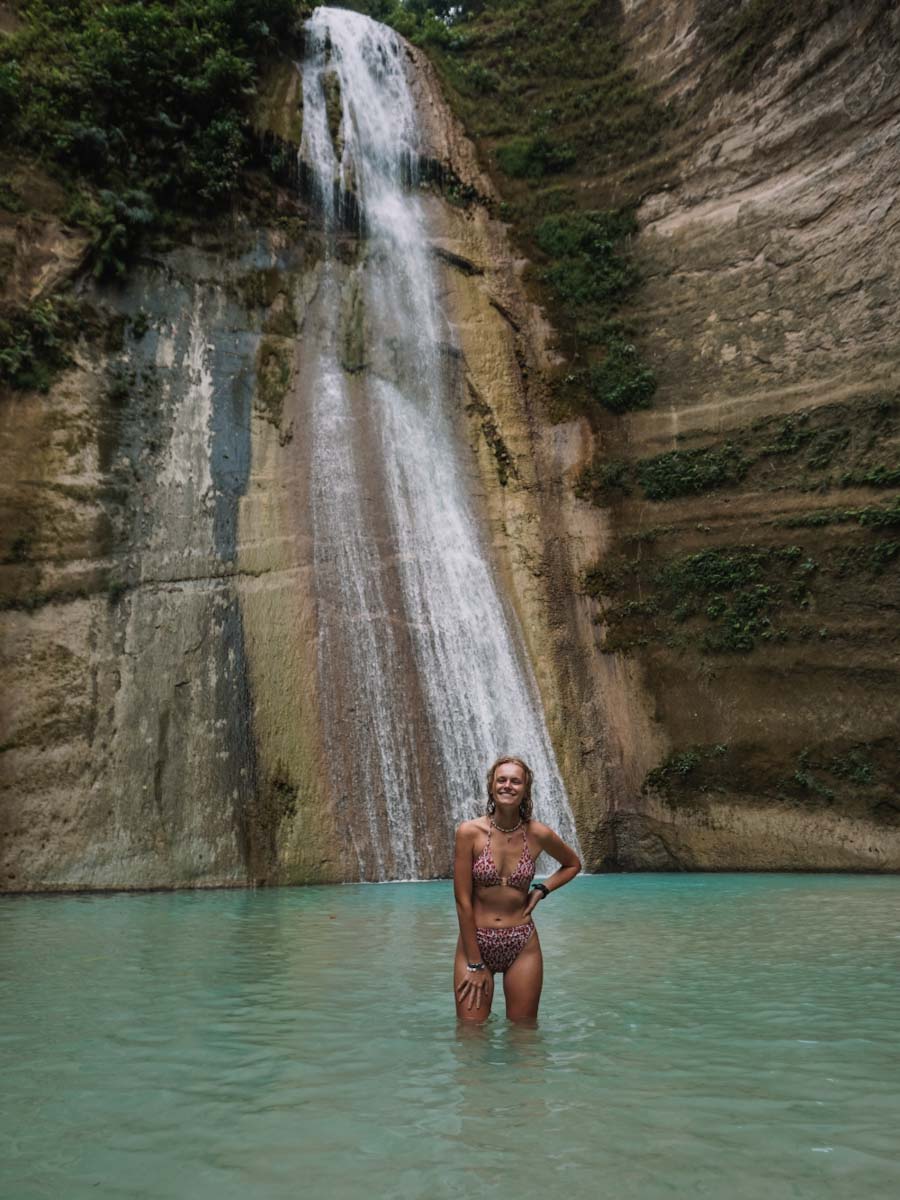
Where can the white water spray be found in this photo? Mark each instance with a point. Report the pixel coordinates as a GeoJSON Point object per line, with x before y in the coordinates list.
{"type": "Point", "coordinates": [409, 609]}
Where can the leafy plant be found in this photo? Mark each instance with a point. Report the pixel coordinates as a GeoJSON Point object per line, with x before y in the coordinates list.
{"type": "Point", "coordinates": [533, 157]}
{"type": "Point", "coordinates": [116, 222]}
{"type": "Point", "coordinates": [33, 342]}
{"type": "Point", "coordinates": [602, 479]}
{"type": "Point", "coordinates": [587, 263]}
{"type": "Point", "coordinates": [690, 472]}
{"type": "Point", "coordinates": [622, 381]}
{"type": "Point", "coordinates": [878, 476]}
{"type": "Point", "coordinates": [137, 97]}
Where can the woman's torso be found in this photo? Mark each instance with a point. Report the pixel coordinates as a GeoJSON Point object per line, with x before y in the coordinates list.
{"type": "Point", "coordinates": [502, 871]}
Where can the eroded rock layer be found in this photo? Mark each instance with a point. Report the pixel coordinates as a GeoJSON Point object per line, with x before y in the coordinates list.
{"type": "Point", "coordinates": [754, 569]}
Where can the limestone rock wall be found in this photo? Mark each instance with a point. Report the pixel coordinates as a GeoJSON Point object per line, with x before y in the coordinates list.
{"type": "Point", "coordinates": [770, 253]}
{"type": "Point", "coordinates": [160, 723]}
{"type": "Point", "coordinates": [140, 748]}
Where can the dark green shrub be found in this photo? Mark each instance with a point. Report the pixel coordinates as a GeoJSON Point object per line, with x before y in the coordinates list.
{"type": "Point", "coordinates": [874, 516]}
{"type": "Point", "coordinates": [33, 343]}
{"type": "Point", "coordinates": [880, 518]}
{"type": "Point", "coordinates": [622, 382]}
{"type": "Point", "coordinates": [116, 223]}
{"type": "Point", "coordinates": [690, 472]}
{"type": "Point", "coordinates": [474, 79]}
{"type": "Point", "coordinates": [674, 770]}
{"type": "Point", "coordinates": [532, 157]}
{"type": "Point", "coordinates": [585, 249]}
{"type": "Point", "coordinates": [602, 479]}
{"type": "Point", "coordinates": [735, 589]}
{"type": "Point", "coordinates": [593, 234]}
{"type": "Point", "coordinates": [880, 476]}
{"type": "Point", "coordinates": [140, 95]}
{"type": "Point", "coordinates": [790, 436]}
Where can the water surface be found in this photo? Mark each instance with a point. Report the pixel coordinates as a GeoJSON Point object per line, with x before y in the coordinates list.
{"type": "Point", "coordinates": [701, 1035]}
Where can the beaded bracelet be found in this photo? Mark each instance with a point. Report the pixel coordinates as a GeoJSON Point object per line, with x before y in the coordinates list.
{"type": "Point", "coordinates": [540, 887]}
{"type": "Point", "coordinates": [479, 966]}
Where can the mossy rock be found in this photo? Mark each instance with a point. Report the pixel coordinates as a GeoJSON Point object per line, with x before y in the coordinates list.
{"type": "Point", "coordinates": [274, 371]}
{"type": "Point", "coordinates": [278, 108]}
{"type": "Point", "coordinates": [334, 111]}
{"type": "Point", "coordinates": [353, 328]}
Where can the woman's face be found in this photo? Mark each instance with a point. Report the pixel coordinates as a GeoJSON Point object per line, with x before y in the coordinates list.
{"type": "Point", "coordinates": [509, 784]}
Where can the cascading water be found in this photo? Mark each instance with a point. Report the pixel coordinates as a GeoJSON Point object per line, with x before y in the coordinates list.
{"type": "Point", "coordinates": [422, 668]}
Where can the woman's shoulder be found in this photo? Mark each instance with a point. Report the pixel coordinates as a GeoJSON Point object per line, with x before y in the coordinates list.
{"type": "Point", "coordinates": [539, 830]}
{"type": "Point", "coordinates": [470, 828]}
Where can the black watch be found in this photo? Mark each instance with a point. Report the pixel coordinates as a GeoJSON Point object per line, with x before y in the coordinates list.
{"type": "Point", "coordinates": [540, 887]}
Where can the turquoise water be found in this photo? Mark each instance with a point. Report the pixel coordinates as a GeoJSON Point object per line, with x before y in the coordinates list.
{"type": "Point", "coordinates": [729, 1036]}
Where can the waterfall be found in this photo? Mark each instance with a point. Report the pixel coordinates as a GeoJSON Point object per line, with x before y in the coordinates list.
{"type": "Point", "coordinates": [422, 666]}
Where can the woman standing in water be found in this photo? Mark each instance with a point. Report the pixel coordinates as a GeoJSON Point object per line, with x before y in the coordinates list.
{"type": "Point", "coordinates": [495, 897]}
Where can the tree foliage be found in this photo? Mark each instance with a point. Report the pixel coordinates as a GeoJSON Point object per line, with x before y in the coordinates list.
{"type": "Point", "coordinates": [140, 95]}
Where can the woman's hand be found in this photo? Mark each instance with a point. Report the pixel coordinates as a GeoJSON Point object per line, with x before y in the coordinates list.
{"type": "Point", "coordinates": [474, 988]}
{"type": "Point", "coordinates": [533, 897]}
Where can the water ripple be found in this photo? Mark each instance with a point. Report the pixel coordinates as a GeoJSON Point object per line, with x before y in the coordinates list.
{"type": "Point", "coordinates": [700, 1036]}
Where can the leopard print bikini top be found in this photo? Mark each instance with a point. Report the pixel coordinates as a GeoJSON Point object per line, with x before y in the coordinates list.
{"type": "Point", "coordinates": [485, 873]}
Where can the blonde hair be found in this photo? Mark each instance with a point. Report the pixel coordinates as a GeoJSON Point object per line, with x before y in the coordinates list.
{"type": "Point", "coordinates": [525, 804]}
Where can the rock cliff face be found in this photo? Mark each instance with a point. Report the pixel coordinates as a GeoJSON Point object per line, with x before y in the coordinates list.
{"type": "Point", "coordinates": [543, 537]}
{"type": "Point", "coordinates": [756, 543]}
{"type": "Point", "coordinates": [131, 756]}
{"type": "Point", "coordinates": [728, 692]}
{"type": "Point", "coordinates": [164, 725]}
{"type": "Point", "coordinates": [716, 650]}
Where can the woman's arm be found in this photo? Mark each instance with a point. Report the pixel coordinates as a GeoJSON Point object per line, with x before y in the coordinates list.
{"type": "Point", "coordinates": [472, 988]}
{"type": "Point", "coordinates": [569, 862]}
{"type": "Point", "coordinates": [462, 889]}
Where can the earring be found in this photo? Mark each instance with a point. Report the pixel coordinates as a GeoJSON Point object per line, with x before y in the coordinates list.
{"type": "Point", "coordinates": [492, 806]}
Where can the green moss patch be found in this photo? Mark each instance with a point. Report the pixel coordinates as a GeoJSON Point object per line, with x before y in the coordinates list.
{"type": "Point", "coordinates": [835, 446]}
{"type": "Point", "coordinates": [533, 157]}
{"type": "Point", "coordinates": [877, 476]}
{"type": "Point", "coordinates": [734, 592]}
{"type": "Point", "coordinates": [736, 599]}
{"type": "Point", "coordinates": [874, 516]}
{"type": "Point", "coordinates": [855, 777]}
{"type": "Point", "coordinates": [589, 265]}
{"type": "Point", "coordinates": [675, 776]}
{"type": "Point", "coordinates": [722, 600]}
{"type": "Point", "coordinates": [274, 371]}
{"type": "Point", "coordinates": [688, 473]}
